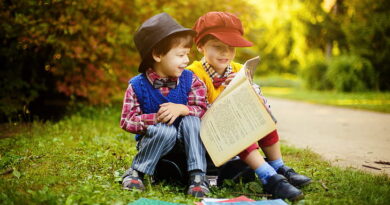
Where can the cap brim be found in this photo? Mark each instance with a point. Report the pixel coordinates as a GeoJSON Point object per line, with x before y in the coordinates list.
{"type": "Point", "coordinates": [232, 39]}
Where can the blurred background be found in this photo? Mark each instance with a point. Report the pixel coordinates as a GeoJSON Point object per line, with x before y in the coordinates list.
{"type": "Point", "coordinates": [58, 53]}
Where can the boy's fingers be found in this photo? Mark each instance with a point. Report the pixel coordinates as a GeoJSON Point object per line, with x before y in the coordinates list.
{"type": "Point", "coordinates": [163, 115]}
{"type": "Point", "coordinates": [167, 118]}
{"type": "Point", "coordinates": [161, 110]}
{"type": "Point", "coordinates": [162, 119]}
{"type": "Point", "coordinates": [172, 120]}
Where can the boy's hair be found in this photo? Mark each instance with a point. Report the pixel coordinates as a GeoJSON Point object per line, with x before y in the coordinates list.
{"type": "Point", "coordinates": [151, 32]}
{"type": "Point", "coordinates": [204, 40]}
{"type": "Point", "coordinates": [166, 44]}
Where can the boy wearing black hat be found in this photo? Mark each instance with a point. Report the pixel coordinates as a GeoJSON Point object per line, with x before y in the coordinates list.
{"type": "Point", "coordinates": [164, 103]}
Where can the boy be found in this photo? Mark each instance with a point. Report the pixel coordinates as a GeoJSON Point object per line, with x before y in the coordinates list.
{"type": "Point", "coordinates": [164, 103]}
{"type": "Point", "coordinates": [218, 33]}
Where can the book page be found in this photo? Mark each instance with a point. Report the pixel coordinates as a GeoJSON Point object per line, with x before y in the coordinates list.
{"type": "Point", "coordinates": [246, 73]}
{"type": "Point", "coordinates": [234, 122]}
{"type": "Point", "coordinates": [250, 68]}
{"type": "Point", "coordinates": [237, 80]}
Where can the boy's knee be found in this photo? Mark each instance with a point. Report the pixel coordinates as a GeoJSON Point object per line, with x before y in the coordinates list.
{"type": "Point", "coordinates": [161, 131]}
{"type": "Point", "coordinates": [190, 121]}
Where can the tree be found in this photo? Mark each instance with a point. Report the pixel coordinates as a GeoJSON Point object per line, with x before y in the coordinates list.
{"type": "Point", "coordinates": [67, 49]}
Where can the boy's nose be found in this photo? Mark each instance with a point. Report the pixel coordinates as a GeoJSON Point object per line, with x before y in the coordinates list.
{"type": "Point", "coordinates": [225, 50]}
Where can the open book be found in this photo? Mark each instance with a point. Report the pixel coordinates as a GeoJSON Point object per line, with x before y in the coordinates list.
{"type": "Point", "coordinates": [237, 118]}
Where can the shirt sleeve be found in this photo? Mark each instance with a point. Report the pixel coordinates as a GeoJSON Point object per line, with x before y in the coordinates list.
{"type": "Point", "coordinates": [197, 100]}
{"type": "Point", "coordinates": [260, 93]}
{"type": "Point", "coordinates": [132, 118]}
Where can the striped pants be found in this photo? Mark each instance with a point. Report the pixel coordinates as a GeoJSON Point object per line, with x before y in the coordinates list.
{"type": "Point", "coordinates": [161, 138]}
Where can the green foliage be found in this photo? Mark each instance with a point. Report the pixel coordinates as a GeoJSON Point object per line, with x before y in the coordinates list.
{"type": "Point", "coordinates": [366, 27]}
{"type": "Point", "coordinates": [84, 50]}
{"type": "Point", "coordinates": [75, 48]}
{"type": "Point", "coordinates": [351, 74]}
{"type": "Point", "coordinates": [345, 73]}
{"type": "Point", "coordinates": [314, 75]}
{"type": "Point", "coordinates": [287, 33]}
{"type": "Point", "coordinates": [80, 159]}
{"type": "Point", "coordinates": [81, 48]}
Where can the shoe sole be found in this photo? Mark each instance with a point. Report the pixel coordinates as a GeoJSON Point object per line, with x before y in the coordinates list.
{"type": "Point", "coordinates": [303, 184]}
{"type": "Point", "coordinates": [297, 198]}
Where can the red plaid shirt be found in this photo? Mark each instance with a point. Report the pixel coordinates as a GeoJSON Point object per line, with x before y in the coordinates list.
{"type": "Point", "coordinates": [134, 121]}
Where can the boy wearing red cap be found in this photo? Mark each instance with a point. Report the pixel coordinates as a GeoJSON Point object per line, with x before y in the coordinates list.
{"type": "Point", "coordinates": [164, 103]}
{"type": "Point", "coordinates": [218, 33]}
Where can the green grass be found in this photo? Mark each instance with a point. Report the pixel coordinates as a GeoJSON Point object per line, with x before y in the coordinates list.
{"type": "Point", "coordinates": [79, 160]}
{"type": "Point", "coordinates": [290, 87]}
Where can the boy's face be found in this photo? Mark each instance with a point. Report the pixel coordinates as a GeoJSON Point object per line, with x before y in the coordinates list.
{"type": "Point", "coordinates": [173, 63]}
{"type": "Point", "coordinates": [218, 54]}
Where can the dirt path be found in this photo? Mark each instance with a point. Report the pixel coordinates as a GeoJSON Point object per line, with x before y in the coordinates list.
{"type": "Point", "coordinates": [345, 137]}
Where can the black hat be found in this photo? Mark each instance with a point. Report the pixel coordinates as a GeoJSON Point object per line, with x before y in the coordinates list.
{"type": "Point", "coordinates": [153, 31]}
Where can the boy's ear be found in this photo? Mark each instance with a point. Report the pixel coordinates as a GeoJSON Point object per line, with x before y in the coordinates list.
{"type": "Point", "coordinates": [200, 49]}
{"type": "Point", "coordinates": [156, 58]}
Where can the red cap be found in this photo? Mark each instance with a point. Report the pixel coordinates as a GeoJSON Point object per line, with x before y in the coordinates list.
{"type": "Point", "coordinates": [225, 26]}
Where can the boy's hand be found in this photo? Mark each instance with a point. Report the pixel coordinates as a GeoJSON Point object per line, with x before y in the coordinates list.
{"type": "Point", "coordinates": [168, 112]}
{"type": "Point", "coordinates": [229, 79]}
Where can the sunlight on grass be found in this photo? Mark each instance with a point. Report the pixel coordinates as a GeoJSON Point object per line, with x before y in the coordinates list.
{"type": "Point", "coordinates": [277, 91]}
{"type": "Point", "coordinates": [373, 101]}
{"type": "Point", "coordinates": [359, 102]}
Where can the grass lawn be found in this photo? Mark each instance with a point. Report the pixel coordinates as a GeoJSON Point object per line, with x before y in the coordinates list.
{"type": "Point", "coordinates": [79, 160]}
{"type": "Point", "coordinates": [289, 87]}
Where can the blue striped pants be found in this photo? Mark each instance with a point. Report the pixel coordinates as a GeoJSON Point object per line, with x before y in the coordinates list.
{"type": "Point", "coordinates": [161, 138]}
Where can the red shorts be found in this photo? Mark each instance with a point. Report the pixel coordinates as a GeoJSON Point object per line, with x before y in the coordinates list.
{"type": "Point", "coordinates": [268, 140]}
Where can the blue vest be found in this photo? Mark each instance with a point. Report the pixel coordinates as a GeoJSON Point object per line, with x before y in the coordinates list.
{"type": "Point", "coordinates": [151, 98]}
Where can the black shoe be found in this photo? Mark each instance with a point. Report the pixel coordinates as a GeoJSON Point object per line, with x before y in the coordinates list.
{"type": "Point", "coordinates": [294, 178]}
{"type": "Point", "coordinates": [279, 187]}
{"type": "Point", "coordinates": [132, 180]}
{"type": "Point", "coordinates": [199, 186]}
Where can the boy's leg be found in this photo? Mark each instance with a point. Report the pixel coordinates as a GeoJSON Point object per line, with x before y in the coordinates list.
{"type": "Point", "coordinates": [272, 152]}
{"type": "Point", "coordinates": [271, 148]}
{"type": "Point", "coordinates": [244, 154]}
{"type": "Point", "coordinates": [274, 155]}
{"type": "Point", "coordinates": [273, 183]}
{"type": "Point", "coordinates": [196, 155]}
{"type": "Point", "coordinates": [158, 141]}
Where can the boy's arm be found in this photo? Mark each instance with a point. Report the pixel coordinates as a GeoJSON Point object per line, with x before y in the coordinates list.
{"type": "Point", "coordinates": [260, 93]}
{"type": "Point", "coordinates": [196, 105]}
{"type": "Point", "coordinates": [132, 119]}
{"type": "Point", "coordinates": [197, 99]}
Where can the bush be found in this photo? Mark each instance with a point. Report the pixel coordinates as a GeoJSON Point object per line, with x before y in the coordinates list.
{"type": "Point", "coordinates": [350, 73]}
{"type": "Point", "coordinates": [314, 75]}
{"type": "Point", "coordinates": [79, 49]}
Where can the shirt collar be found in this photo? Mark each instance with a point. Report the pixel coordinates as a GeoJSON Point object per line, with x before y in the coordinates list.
{"type": "Point", "coordinates": [212, 73]}
{"type": "Point", "coordinates": [152, 76]}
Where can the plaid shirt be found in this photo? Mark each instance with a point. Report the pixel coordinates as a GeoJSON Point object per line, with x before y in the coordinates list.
{"type": "Point", "coordinates": [134, 121]}
{"type": "Point", "coordinates": [216, 77]}
{"type": "Point", "coordinates": [212, 73]}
